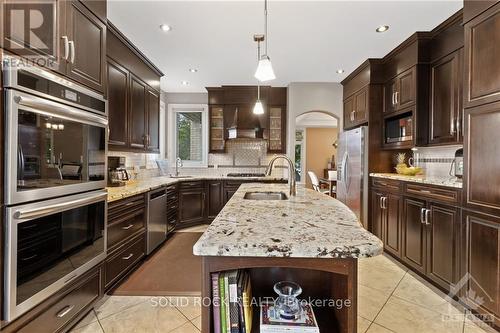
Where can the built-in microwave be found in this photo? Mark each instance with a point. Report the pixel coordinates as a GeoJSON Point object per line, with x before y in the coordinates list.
{"type": "Point", "coordinates": [49, 244]}
{"type": "Point", "coordinates": [55, 136]}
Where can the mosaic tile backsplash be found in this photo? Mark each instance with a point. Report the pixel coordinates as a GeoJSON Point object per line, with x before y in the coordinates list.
{"type": "Point", "coordinates": [242, 156]}
{"type": "Point", "coordinates": [436, 161]}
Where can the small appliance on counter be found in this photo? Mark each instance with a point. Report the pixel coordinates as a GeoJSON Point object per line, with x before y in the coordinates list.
{"type": "Point", "coordinates": [117, 174]}
{"type": "Point", "coordinates": [457, 166]}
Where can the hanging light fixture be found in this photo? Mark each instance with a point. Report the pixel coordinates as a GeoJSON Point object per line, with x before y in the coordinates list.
{"type": "Point", "coordinates": [258, 107]}
{"type": "Point", "coordinates": [264, 70]}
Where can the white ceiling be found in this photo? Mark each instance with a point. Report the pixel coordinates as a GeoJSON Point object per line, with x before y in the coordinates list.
{"type": "Point", "coordinates": [315, 119]}
{"type": "Point", "coordinates": [308, 40]}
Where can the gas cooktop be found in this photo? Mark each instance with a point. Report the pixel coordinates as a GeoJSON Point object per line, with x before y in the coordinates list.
{"type": "Point", "coordinates": [246, 175]}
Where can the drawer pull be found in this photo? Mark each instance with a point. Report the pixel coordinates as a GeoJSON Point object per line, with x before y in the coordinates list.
{"type": "Point", "coordinates": [30, 257]}
{"type": "Point", "coordinates": [128, 227]}
{"type": "Point", "coordinates": [425, 191]}
{"type": "Point", "coordinates": [65, 311]}
{"type": "Point", "coordinates": [128, 257]}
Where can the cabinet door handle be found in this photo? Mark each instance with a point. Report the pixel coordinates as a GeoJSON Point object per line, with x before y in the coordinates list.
{"type": "Point", "coordinates": [396, 97]}
{"type": "Point", "coordinates": [128, 227]}
{"type": "Point", "coordinates": [128, 257]}
{"type": "Point", "coordinates": [72, 47]}
{"type": "Point", "coordinates": [422, 215]}
{"type": "Point", "coordinates": [393, 99]}
{"type": "Point", "coordinates": [385, 202]}
{"type": "Point", "coordinates": [427, 216]}
{"type": "Point", "coordinates": [65, 311]}
{"type": "Point", "coordinates": [66, 47]}
{"type": "Point", "coordinates": [381, 204]}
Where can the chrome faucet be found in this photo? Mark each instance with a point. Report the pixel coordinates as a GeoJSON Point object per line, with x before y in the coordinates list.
{"type": "Point", "coordinates": [178, 163]}
{"type": "Point", "coordinates": [291, 172]}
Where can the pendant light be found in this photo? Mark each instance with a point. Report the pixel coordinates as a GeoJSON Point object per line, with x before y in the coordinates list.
{"type": "Point", "coordinates": [265, 70]}
{"type": "Point", "coordinates": [258, 107]}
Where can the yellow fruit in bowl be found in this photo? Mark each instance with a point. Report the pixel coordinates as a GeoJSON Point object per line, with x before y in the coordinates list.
{"type": "Point", "coordinates": [408, 171]}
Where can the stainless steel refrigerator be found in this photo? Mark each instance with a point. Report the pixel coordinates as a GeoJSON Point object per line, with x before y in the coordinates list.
{"type": "Point", "coordinates": [352, 171]}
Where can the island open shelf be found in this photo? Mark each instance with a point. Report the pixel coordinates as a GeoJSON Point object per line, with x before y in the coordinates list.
{"type": "Point", "coordinates": [320, 278]}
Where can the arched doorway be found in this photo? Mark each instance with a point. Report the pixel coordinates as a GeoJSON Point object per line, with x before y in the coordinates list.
{"type": "Point", "coordinates": [316, 132]}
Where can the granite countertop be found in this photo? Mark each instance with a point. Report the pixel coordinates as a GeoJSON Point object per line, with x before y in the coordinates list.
{"type": "Point", "coordinates": [134, 187]}
{"type": "Point", "coordinates": [440, 181]}
{"type": "Point", "coordinates": [310, 225]}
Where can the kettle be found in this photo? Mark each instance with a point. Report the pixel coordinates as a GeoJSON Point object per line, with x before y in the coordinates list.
{"type": "Point", "coordinates": [457, 166]}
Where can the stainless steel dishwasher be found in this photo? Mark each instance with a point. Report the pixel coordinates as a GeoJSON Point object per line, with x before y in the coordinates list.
{"type": "Point", "coordinates": [157, 218]}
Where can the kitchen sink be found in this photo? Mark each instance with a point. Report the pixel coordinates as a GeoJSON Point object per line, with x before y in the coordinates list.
{"type": "Point", "coordinates": [265, 196]}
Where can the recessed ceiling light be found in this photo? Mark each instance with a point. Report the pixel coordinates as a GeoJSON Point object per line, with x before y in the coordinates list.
{"type": "Point", "coordinates": [382, 28]}
{"type": "Point", "coordinates": [340, 71]}
{"type": "Point", "coordinates": [185, 83]}
{"type": "Point", "coordinates": [193, 70]}
{"type": "Point", "coordinates": [165, 27]}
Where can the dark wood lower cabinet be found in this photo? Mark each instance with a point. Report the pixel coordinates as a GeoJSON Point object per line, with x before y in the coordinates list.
{"type": "Point", "coordinates": [392, 230]}
{"type": "Point", "coordinates": [480, 264]}
{"type": "Point", "coordinates": [192, 205]}
{"type": "Point", "coordinates": [377, 213]}
{"type": "Point", "coordinates": [215, 198]}
{"type": "Point", "coordinates": [414, 234]}
{"type": "Point", "coordinates": [119, 262]}
{"type": "Point", "coordinates": [442, 244]}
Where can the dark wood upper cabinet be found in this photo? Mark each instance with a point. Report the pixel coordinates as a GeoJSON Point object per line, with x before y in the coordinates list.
{"type": "Point", "coordinates": [137, 113]}
{"type": "Point", "coordinates": [414, 235]}
{"type": "Point", "coordinates": [133, 104]}
{"type": "Point", "coordinates": [225, 100]}
{"type": "Point", "coordinates": [117, 105]}
{"type": "Point", "coordinates": [442, 249]}
{"type": "Point", "coordinates": [50, 33]}
{"type": "Point", "coordinates": [356, 108]}
{"type": "Point", "coordinates": [153, 119]}
{"type": "Point", "coordinates": [400, 92]}
{"type": "Point", "coordinates": [481, 158]}
{"type": "Point", "coordinates": [87, 35]}
{"type": "Point", "coordinates": [390, 90]}
{"type": "Point", "coordinates": [407, 89]}
{"type": "Point", "coordinates": [481, 260]}
{"type": "Point", "coordinates": [98, 7]}
{"type": "Point", "coordinates": [482, 60]}
{"type": "Point", "coordinates": [360, 111]}
{"type": "Point", "coordinates": [348, 112]}
{"type": "Point", "coordinates": [73, 39]}
{"type": "Point", "coordinates": [446, 112]}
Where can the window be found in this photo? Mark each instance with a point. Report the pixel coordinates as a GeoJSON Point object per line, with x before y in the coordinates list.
{"type": "Point", "coordinates": [188, 134]}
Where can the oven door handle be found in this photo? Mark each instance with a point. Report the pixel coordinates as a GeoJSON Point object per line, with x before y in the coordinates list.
{"type": "Point", "coordinates": [53, 108]}
{"type": "Point", "coordinates": [52, 209]}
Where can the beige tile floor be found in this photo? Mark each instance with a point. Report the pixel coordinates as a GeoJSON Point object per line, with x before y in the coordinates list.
{"type": "Point", "coordinates": [391, 299]}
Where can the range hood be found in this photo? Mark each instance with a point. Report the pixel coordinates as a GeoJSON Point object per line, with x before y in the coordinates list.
{"type": "Point", "coordinates": [245, 131]}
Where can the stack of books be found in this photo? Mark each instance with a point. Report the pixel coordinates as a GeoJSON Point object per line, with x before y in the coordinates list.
{"type": "Point", "coordinates": [232, 298]}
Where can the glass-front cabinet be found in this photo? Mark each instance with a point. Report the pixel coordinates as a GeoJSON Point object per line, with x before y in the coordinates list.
{"type": "Point", "coordinates": [216, 128]}
{"type": "Point", "coordinates": [276, 125]}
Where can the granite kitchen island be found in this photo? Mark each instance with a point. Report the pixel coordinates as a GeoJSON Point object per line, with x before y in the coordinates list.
{"type": "Point", "coordinates": [311, 239]}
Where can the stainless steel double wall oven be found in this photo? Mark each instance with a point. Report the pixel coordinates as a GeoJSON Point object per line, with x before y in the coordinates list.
{"type": "Point", "coordinates": [55, 176]}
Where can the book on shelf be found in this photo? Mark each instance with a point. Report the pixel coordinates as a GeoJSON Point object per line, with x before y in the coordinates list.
{"type": "Point", "coordinates": [231, 306]}
{"type": "Point", "coordinates": [216, 302]}
{"type": "Point", "coordinates": [226, 302]}
{"type": "Point", "coordinates": [271, 322]}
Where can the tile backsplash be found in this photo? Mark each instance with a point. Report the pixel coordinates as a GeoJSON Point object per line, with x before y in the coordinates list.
{"type": "Point", "coordinates": [436, 161]}
{"type": "Point", "coordinates": [242, 156]}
